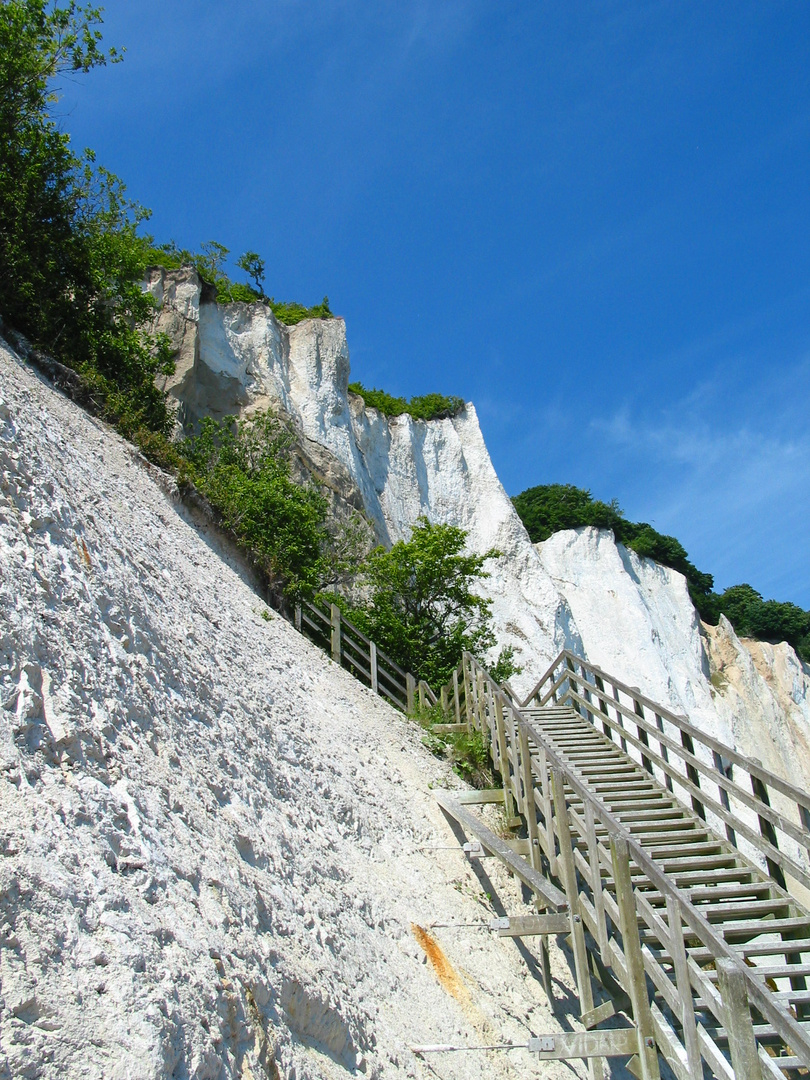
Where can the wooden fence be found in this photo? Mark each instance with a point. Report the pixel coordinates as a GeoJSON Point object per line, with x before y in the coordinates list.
{"type": "Point", "coordinates": [710, 951]}
{"type": "Point", "coordinates": [351, 649]}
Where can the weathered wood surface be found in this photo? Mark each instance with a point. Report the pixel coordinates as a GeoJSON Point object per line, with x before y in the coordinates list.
{"type": "Point", "coordinates": [622, 808]}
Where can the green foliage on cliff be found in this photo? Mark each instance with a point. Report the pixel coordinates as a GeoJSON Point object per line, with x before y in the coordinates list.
{"type": "Point", "coordinates": [71, 257]}
{"type": "Point", "coordinates": [422, 609]}
{"type": "Point", "coordinates": [548, 508]}
{"type": "Point", "coordinates": [244, 471]}
{"type": "Point", "coordinates": [209, 263]}
{"type": "Point", "coordinates": [426, 407]}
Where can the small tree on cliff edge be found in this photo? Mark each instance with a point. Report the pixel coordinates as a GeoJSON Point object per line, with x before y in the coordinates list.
{"type": "Point", "coordinates": [422, 611]}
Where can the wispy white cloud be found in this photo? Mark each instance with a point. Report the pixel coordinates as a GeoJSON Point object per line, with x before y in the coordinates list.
{"type": "Point", "coordinates": [737, 495]}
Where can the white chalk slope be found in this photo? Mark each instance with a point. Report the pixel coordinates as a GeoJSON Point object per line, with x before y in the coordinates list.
{"type": "Point", "coordinates": [213, 842]}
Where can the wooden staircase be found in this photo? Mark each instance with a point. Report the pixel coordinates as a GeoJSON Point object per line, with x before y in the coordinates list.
{"type": "Point", "coordinates": [681, 884]}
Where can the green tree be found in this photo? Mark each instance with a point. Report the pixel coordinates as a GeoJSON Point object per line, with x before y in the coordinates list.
{"type": "Point", "coordinates": [253, 265]}
{"type": "Point", "coordinates": [549, 508]}
{"type": "Point", "coordinates": [422, 609]}
{"type": "Point", "coordinates": [71, 258]}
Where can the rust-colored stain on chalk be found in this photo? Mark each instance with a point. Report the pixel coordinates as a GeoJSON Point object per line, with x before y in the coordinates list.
{"type": "Point", "coordinates": [445, 972]}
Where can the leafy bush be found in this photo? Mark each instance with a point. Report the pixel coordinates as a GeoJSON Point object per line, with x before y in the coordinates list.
{"type": "Point", "coordinates": [71, 257]}
{"type": "Point", "coordinates": [427, 407]}
{"type": "Point", "coordinates": [421, 609]}
{"type": "Point", "coordinates": [244, 470]}
{"type": "Point", "coordinates": [466, 751]}
{"type": "Point", "coordinates": [549, 508]}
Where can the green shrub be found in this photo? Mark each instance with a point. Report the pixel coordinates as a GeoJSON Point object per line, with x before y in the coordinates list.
{"type": "Point", "coordinates": [466, 751]}
{"type": "Point", "coordinates": [421, 608]}
{"type": "Point", "coordinates": [244, 470]}
{"type": "Point", "coordinates": [209, 263]}
{"type": "Point", "coordinates": [291, 313]}
{"type": "Point", "coordinates": [427, 407]}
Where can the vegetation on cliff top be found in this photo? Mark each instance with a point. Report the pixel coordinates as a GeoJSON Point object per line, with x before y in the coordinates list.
{"type": "Point", "coordinates": [426, 407]}
{"type": "Point", "coordinates": [548, 508]}
{"type": "Point", "coordinates": [209, 263]}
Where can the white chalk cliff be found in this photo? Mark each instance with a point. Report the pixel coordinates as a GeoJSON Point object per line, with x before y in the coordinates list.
{"type": "Point", "coordinates": [579, 590]}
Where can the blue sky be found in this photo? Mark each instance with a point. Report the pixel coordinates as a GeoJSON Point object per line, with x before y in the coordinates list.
{"type": "Point", "coordinates": [590, 219]}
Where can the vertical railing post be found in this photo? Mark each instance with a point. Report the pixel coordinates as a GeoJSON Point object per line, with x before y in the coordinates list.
{"type": "Point", "coordinates": [443, 701]}
{"type": "Point", "coordinates": [619, 719]}
{"type": "Point", "coordinates": [569, 879]}
{"type": "Point", "coordinates": [692, 774]}
{"type": "Point", "coordinates": [596, 884]}
{"type": "Point", "coordinates": [372, 663]}
{"type": "Point", "coordinates": [677, 949]}
{"type": "Point", "coordinates": [335, 635]}
{"type": "Point", "coordinates": [725, 772]}
{"type": "Point", "coordinates": [766, 827]}
{"type": "Point", "coordinates": [741, 1040]}
{"type": "Point", "coordinates": [468, 694]}
{"type": "Point", "coordinates": [631, 945]}
{"type": "Point", "coordinates": [548, 810]}
{"type": "Point", "coordinates": [298, 617]}
{"type": "Point", "coordinates": [643, 737]}
{"type": "Point", "coordinates": [410, 691]}
{"type": "Point", "coordinates": [600, 685]}
{"type": "Point", "coordinates": [503, 754]}
{"type": "Point", "coordinates": [659, 723]}
{"type": "Point", "coordinates": [573, 685]}
{"type": "Point", "coordinates": [421, 693]}
{"type": "Point", "coordinates": [456, 696]}
{"type": "Point", "coordinates": [529, 808]}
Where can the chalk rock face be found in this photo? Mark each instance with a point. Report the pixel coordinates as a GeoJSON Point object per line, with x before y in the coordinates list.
{"type": "Point", "coordinates": [579, 589]}
{"type": "Point", "coordinates": [216, 847]}
{"type": "Point", "coordinates": [637, 622]}
{"type": "Point", "coordinates": [766, 690]}
{"type": "Point", "coordinates": [395, 467]}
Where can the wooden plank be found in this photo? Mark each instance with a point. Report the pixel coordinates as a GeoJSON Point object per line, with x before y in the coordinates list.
{"type": "Point", "coordinates": [614, 1042]}
{"type": "Point", "coordinates": [532, 925]}
{"type": "Point", "coordinates": [742, 1044]}
{"type": "Point", "coordinates": [598, 1014]}
{"type": "Point", "coordinates": [480, 795]}
{"type": "Point", "coordinates": [637, 988]}
{"type": "Point", "coordinates": [373, 666]}
{"type": "Point", "coordinates": [684, 985]}
{"type": "Point", "coordinates": [553, 897]}
{"type": "Point", "coordinates": [569, 877]}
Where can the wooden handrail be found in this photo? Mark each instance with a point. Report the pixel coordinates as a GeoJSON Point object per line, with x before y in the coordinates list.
{"type": "Point", "coordinates": [352, 649]}
{"type": "Point", "coordinates": [528, 762]}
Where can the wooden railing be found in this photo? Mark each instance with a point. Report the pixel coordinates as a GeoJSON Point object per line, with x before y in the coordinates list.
{"type": "Point", "coordinates": [760, 813]}
{"type": "Point", "coordinates": [692, 996]}
{"type": "Point", "coordinates": [350, 648]}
